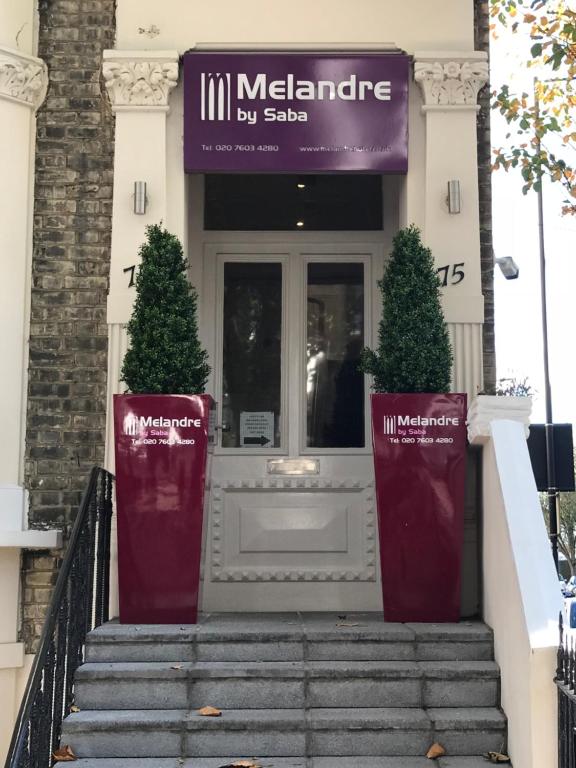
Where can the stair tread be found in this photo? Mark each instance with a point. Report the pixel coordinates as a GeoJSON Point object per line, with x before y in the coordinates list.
{"type": "Point", "coordinates": [201, 762]}
{"type": "Point", "coordinates": [449, 669]}
{"type": "Point", "coordinates": [335, 669]}
{"type": "Point", "coordinates": [291, 627]}
{"type": "Point", "coordinates": [284, 762]}
{"type": "Point", "coordinates": [468, 717]}
{"type": "Point", "coordinates": [445, 718]}
{"type": "Point", "coordinates": [464, 631]}
{"type": "Point", "coordinates": [379, 718]}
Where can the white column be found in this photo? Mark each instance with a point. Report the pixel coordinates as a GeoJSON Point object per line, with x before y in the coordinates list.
{"type": "Point", "coordinates": [444, 148]}
{"type": "Point", "coordinates": [23, 84]}
{"type": "Point", "coordinates": [139, 84]}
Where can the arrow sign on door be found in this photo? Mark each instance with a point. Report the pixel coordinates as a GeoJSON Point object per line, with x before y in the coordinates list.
{"type": "Point", "coordinates": [256, 440]}
{"type": "Point", "coordinates": [256, 428]}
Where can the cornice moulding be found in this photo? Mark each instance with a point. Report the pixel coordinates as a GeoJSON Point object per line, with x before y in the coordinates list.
{"type": "Point", "coordinates": [140, 79]}
{"type": "Point", "coordinates": [451, 79]}
{"type": "Point", "coordinates": [23, 79]}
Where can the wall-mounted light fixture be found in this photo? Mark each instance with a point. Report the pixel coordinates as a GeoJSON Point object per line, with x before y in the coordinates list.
{"type": "Point", "coordinates": [454, 196]}
{"type": "Point", "coordinates": [140, 199]}
{"type": "Point", "coordinates": [508, 267]}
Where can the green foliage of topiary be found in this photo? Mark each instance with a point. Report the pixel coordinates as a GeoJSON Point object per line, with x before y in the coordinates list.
{"type": "Point", "coordinates": [414, 352]}
{"type": "Point", "coordinates": [165, 356]}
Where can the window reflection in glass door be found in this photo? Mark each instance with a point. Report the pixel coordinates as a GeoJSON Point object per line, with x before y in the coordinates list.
{"type": "Point", "coordinates": [334, 341]}
{"type": "Point", "coordinates": [252, 330]}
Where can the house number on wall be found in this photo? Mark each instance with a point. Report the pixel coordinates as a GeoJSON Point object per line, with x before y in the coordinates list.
{"type": "Point", "coordinates": [451, 276]}
{"type": "Point", "coordinates": [132, 271]}
{"type": "Point", "coordinates": [447, 276]}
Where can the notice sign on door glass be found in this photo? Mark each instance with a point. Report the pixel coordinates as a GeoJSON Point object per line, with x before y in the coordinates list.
{"type": "Point", "coordinates": [256, 429]}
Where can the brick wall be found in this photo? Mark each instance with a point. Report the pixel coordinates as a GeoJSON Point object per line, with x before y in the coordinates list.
{"type": "Point", "coordinates": [71, 254]}
{"type": "Point", "coordinates": [482, 43]}
{"type": "Point", "coordinates": [39, 571]}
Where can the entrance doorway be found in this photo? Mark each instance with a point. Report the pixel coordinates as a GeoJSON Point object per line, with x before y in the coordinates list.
{"type": "Point", "coordinates": [292, 522]}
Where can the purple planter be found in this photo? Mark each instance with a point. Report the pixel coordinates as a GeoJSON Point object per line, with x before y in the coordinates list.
{"type": "Point", "coordinates": [420, 465]}
{"type": "Point", "coordinates": [161, 455]}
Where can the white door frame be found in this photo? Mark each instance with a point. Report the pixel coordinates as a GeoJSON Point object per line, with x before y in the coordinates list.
{"type": "Point", "coordinates": [338, 503]}
{"type": "Point", "coordinates": [294, 260]}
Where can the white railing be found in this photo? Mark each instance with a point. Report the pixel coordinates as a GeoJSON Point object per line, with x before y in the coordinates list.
{"type": "Point", "coordinates": [521, 594]}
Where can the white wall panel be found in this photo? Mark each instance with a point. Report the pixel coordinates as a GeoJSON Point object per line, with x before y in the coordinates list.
{"type": "Point", "coordinates": [466, 339]}
{"type": "Point", "coordinates": [418, 24]}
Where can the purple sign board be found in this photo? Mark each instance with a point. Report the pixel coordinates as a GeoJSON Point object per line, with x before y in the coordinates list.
{"type": "Point", "coordinates": [295, 113]}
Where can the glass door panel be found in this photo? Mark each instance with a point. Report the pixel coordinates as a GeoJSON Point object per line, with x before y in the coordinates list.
{"type": "Point", "coordinates": [252, 345]}
{"type": "Point", "coordinates": [334, 340]}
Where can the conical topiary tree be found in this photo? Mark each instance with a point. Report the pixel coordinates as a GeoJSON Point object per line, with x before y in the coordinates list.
{"type": "Point", "coordinates": [414, 353]}
{"type": "Point", "coordinates": [164, 356]}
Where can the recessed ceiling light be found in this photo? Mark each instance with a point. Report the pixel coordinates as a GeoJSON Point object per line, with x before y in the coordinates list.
{"type": "Point", "coordinates": [299, 223]}
{"type": "Point", "coordinates": [300, 185]}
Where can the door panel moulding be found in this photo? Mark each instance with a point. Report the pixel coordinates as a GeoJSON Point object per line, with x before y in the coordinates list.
{"type": "Point", "coordinates": [357, 559]}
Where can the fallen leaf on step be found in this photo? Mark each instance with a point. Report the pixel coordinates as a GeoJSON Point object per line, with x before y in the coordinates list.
{"type": "Point", "coordinates": [436, 750]}
{"type": "Point", "coordinates": [242, 764]}
{"type": "Point", "coordinates": [348, 624]}
{"type": "Point", "coordinates": [209, 712]}
{"type": "Point", "coordinates": [74, 708]}
{"type": "Point", "coordinates": [64, 754]}
{"type": "Point", "coordinates": [245, 764]}
{"type": "Point", "coordinates": [496, 757]}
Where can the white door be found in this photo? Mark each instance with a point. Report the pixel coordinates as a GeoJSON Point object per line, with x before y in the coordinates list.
{"type": "Point", "coordinates": [292, 516]}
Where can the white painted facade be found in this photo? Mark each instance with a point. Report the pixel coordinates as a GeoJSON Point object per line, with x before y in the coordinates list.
{"type": "Point", "coordinates": [144, 86]}
{"type": "Point", "coordinates": [145, 89]}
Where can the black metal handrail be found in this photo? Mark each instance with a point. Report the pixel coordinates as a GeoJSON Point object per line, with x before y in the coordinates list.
{"type": "Point", "coordinates": [566, 684]}
{"type": "Point", "coordinates": [79, 604]}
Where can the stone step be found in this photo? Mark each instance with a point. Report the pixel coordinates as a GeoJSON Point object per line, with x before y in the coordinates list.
{"type": "Point", "coordinates": [290, 637]}
{"type": "Point", "coordinates": [285, 762]}
{"type": "Point", "coordinates": [284, 732]}
{"type": "Point", "coordinates": [264, 685]}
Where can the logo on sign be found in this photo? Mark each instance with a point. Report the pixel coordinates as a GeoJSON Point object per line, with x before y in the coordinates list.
{"type": "Point", "coordinates": [390, 425]}
{"type": "Point", "coordinates": [216, 93]}
{"type": "Point", "coordinates": [215, 96]}
{"type": "Point", "coordinates": [130, 425]}
{"type": "Point", "coordinates": [133, 423]}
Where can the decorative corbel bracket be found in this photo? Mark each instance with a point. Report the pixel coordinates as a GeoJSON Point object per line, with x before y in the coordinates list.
{"type": "Point", "coordinates": [23, 79]}
{"type": "Point", "coordinates": [451, 80]}
{"type": "Point", "coordinates": [140, 79]}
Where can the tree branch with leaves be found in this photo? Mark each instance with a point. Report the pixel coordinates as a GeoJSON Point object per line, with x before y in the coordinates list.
{"type": "Point", "coordinates": [543, 122]}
